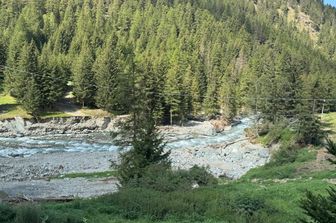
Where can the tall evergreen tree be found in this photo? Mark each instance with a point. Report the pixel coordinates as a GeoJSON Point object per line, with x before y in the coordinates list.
{"type": "Point", "coordinates": [83, 77]}
{"type": "Point", "coordinates": [28, 79]}
{"type": "Point", "coordinates": [54, 77]}
{"type": "Point", "coordinates": [17, 41]}
{"type": "Point", "coordinates": [3, 55]}
{"type": "Point", "coordinates": [140, 132]}
{"type": "Point", "coordinates": [109, 79]}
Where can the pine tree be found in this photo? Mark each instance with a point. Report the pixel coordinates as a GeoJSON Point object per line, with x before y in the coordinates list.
{"type": "Point", "coordinates": [19, 38]}
{"type": "Point", "coordinates": [28, 80]}
{"type": "Point", "coordinates": [62, 38]}
{"type": "Point", "coordinates": [321, 209]}
{"type": "Point", "coordinates": [140, 132]}
{"type": "Point", "coordinates": [54, 77]}
{"type": "Point", "coordinates": [3, 56]}
{"type": "Point", "coordinates": [32, 99]}
{"type": "Point", "coordinates": [83, 78]}
{"type": "Point", "coordinates": [108, 79]}
{"type": "Point", "coordinates": [27, 68]}
{"type": "Point", "coordinates": [172, 94]}
{"type": "Point", "coordinates": [309, 125]}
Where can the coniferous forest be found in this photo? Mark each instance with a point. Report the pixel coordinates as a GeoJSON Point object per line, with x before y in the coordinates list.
{"type": "Point", "coordinates": [198, 57]}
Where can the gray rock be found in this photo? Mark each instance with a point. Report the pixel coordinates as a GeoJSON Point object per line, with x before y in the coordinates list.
{"type": "Point", "coordinates": [19, 127]}
{"type": "Point", "coordinates": [264, 153]}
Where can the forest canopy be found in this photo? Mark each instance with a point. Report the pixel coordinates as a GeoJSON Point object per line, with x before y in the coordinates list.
{"type": "Point", "coordinates": [197, 57]}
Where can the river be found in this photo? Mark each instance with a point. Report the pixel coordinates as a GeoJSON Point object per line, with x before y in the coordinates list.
{"type": "Point", "coordinates": [30, 166]}
{"type": "Point", "coordinates": [28, 146]}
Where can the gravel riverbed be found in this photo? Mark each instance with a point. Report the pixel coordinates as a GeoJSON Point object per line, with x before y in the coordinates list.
{"type": "Point", "coordinates": [228, 154]}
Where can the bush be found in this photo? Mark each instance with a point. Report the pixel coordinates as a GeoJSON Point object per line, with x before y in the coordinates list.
{"type": "Point", "coordinates": [287, 153]}
{"type": "Point", "coordinates": [160, 178]}
{"type": "Point", "coordinates": [7, 214]}
{"type": "Point", "coordinates": [28, 214]}
{"type": "Point", "coordinates": [201, 176]}
{"type": "Point", "coordinates": [249, 206]}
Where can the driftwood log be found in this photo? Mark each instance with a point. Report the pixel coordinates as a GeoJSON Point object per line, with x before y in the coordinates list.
{"type": "Point", "coordinates": [23, 199]}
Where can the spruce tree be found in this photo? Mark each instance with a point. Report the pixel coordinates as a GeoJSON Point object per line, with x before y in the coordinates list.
{"type": "Point", "coordinates": [28, 79]}
{"type": "Point", "coordinates": [84, 87]}
{"type": "Point", "coordinates": [321, 209]}
{"type": "Point", "coordinates": [16, 44]}
{"type": "Point", "coordinates": [3, 56]}
{"type": "Point", "coordinates": [108, 79]}
{"type": "Point", "coordinates": [32, 100]}
{"type": "Point", "coordinates": [54, 77]}
{"type": "Point", "coordinates": [139, 131]}
{"type": "Point", "coordinates": [27, 67]}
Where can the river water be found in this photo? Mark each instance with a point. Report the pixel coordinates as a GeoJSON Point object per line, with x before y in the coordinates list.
{"type": "Point", "coordinates": [28, 146]}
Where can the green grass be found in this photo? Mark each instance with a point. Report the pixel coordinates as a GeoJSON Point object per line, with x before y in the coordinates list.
{"type": "Point", "coordinates": [329, 121]}
{"type": "Point", "coordinates": [267, 199]}
{"type": "Point", "coordinates": [88, 175]}
{"type": "Point", "coordinates": [10, 109]}
{"type": "Point", "coordinates": [280, 203]}
{"type": "Point", "coordinates": [277, 134]}
{"type": "Point", "coordinates": [7, 100]}
{"type": "Point", "coordinates": [54, 115]}
{"type": "Point", "coordinates": [298, 169]}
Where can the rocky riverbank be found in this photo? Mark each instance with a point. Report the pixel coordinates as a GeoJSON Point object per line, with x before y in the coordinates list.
{"type": "Point", "coordinates": [32, 166]}
{"type": "Point", "coordinates": [19, 127]}
{"type": "Point", "coordinates": [50, 126]}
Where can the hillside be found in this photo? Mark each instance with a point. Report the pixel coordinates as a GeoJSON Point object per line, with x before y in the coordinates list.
{"type": "Point", "coordinates": [196, 57]}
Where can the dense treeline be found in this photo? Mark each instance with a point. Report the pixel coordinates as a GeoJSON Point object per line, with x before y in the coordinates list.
{"type": "Point", "coordinates": [197, 57]}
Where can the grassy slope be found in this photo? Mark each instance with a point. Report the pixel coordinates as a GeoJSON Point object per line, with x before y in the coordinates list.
{"type": "Point", "coordinates": [10, 109]}
{"type": "Point", "coordinates": [280, 187]}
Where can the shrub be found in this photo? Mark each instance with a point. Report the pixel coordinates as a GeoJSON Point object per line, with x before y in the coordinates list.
{"type": "Point", "coordinates": [7, 214]}
{"type": "Point", "coordinates": [160, 178]}
{"type": "Point", "coordinates": [201, 176]}
{"type": "Point", "coordinates": [287, 153]}
{"type": "Point", "coordinates": [248, 205]}
{"type": "Point", "coordinates": [28, 214]}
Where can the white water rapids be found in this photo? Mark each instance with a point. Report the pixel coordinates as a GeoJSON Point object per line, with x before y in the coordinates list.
{"type": "Point", "coordinates": [28, 146]}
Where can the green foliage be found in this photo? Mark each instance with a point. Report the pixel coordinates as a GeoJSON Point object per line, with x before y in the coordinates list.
{"type": "Point", "coordinates": [285, 154]}
{"type": "Point", "coordinates": [159, 178]}
{"type": "Point", "coordinates": [286, 163]}
{"type": "Point", "coordinates": [139, 132]}
{"type": "Point", "coordinates": [321, 209]}
{"type": "Point", "coordinates": [28, 214]}
{"type": "Point", "coordinates": [234, 202]}
{"type": "Point", "coordinates": [202, 176]}
{"type": "Point", "coordinates": [109, 80]}
{"type": "Point", "coordinates": [279, 132]}
{"type": "Point", "coordinates": [83, 77]}
{"type": "Point", "coordinates": [3, 55]}
{"type": "Point", "coordinates": [7, 214]}
{"type": "Point", "coordinates": [331, 147]}
{"type": "Point", "coordinates": [31, 100]}
{"type": "Point", "coordinates": [259, 61]}
{"type": "Point", "coordinates": [248, 205]}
